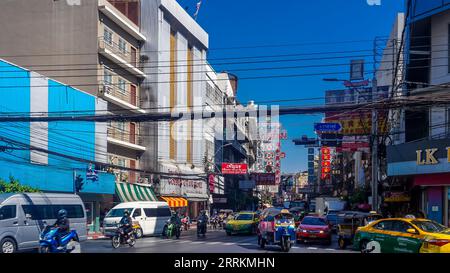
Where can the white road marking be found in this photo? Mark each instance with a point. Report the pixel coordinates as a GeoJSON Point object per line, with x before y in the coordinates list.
{"type": "Point", "coordinates": [196, 243]}
{"type": "Point", "coordinates": [229, 244]}
{"type": "Point", "coordinates": [213, 243]}
{"type": "Point", "coordinates": [313, 248]}
{"type": "Point", "coordinates": [330, 249]}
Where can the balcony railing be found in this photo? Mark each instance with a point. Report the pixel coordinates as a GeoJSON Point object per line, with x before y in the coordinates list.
{"type": "Point", "coordinates": [124, 135]}
{"type": "Point", "coordinates": [128, 96]}
{"type": "Point", "coordinates": [129, 57]}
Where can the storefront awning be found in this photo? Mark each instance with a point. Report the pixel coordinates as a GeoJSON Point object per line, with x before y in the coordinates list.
{"type": "Point", "coordinates": [175, 202]}
{"type": "Point", "coordinates": [128, 192]}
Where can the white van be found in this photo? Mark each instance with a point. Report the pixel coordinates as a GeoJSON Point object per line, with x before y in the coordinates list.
{"type": "Point", "coordinates": [151, 216]}
{"type": "Point", "coordinates": [24, 215]}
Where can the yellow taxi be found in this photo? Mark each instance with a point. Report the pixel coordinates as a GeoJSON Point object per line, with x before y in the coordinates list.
{"type": "Point", "coordinates": [243, 222]}
{"type": "Point", "coordinates": [403, 235]}
{"type": "Point", "coordinates": [437, 243]}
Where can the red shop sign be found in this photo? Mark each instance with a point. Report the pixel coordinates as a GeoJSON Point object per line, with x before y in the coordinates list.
{"type": "Point", "coordinates": [234, 168]}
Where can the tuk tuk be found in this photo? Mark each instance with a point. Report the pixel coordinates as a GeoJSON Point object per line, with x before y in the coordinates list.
{"type": "Point", "coordinates": [349, 223]}
{"type": "Point", "coordinates": [276, 227]}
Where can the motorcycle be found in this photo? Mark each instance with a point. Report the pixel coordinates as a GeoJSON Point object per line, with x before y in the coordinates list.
{"type": "Point", "coordinates": [201, 227]}
{"type": "Point", "coordinates": [122, 238]}
{"type": "Point", "coordinates": [49, 244]}
{"type": "Point", "coordinates": [170, 230]}
{"type": "Point", "coordinates": [185, 222]}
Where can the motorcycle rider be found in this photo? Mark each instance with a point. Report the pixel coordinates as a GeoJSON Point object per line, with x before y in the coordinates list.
{"type": "Point", "coordinates": [204, 218]}
{"type": "Point", "coordinates": [176, 221]}
{"type": "Point", "coordinates": [126, 223]}
{"type": "Point", "coordinates": [63, 225]}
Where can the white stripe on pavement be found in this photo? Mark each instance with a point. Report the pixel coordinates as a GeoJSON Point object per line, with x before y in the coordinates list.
{"type": "Point", "coordinates": [313, 248]}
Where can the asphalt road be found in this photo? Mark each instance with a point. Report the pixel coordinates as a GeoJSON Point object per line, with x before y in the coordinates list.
{"type": "Point", "coordinates": [216, 241]}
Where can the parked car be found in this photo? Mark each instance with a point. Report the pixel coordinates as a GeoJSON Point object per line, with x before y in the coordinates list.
{"type": "Point", "coordinates": [243, 222]}
{"type": "Point", "coordinates": [24, 216]}
{"type": "Point", "coordinates": [314, 228]}
{"type": "Point", "coordinates": [401, 235]}
{"type": "Point", "coordinates": [151, 217]}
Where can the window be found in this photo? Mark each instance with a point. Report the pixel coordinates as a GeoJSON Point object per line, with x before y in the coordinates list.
{"type": "Point", "coordinates": [401, 226]}
{"type": "Point", "coordinates": [121, 162]}
{"type": "Point", "coordinates": [137, 213]}
{"type": "Point", "coordinates": [151, 212]}
{"type": "Point", "coordinates": [163, 212]}
{"type": "Point", "coordinates": [429, 226]}
{"type": "Point", "coordinates": [41, 212]}
{"type": "Point", "coordinates": [7, 212]}
{"type": "Point", "coordinates": [108, 36]}
{"type": "Point", "coordinates": [117, 212]}
{"type": "Point", "coordinates": [121, 126]}
{"type": "Point", "coordinates": [107, 77]}
{"type": "Point", "coordinates": [384, 225]}
{"type": "Point", "coordinates": [314, 221]}
{"type": "Point", "coordinates": [122, 46]}
{"type": "Point", "coordinates": [244, 217]}
{"type": "Point", "coordinates": [122, 84]}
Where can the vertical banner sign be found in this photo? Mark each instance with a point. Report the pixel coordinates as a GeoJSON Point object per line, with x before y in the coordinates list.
{"type": "Point", "coordinates": [326, 163]}
{"type": "Point", "coordinates": [212, 181]}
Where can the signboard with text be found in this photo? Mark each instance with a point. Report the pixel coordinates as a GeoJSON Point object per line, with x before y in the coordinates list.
{"type": "Point", "coordinates": [234, 168]}
{"type": "Point", "coordinates": [264, 178]}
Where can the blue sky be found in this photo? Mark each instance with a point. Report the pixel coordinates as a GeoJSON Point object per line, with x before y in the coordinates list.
{"type": "Point", "coordinates": [296, 27]}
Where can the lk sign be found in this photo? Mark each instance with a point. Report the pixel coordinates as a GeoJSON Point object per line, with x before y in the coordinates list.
{"type": "Point", "coordinates": [428, 157]}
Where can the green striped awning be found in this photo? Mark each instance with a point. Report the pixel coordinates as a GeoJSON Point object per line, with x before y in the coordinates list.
{"type": "Point", "coordinates": [128, 192]}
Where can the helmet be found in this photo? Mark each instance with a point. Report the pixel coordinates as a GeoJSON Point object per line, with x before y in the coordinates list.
{"type": "Point", "coordinates": [62, 213]}
{"type": "Point", "coordinates": [126, 213]}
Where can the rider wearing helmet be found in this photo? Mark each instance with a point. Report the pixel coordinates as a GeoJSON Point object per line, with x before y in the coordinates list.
{"type": "Point", "coordinates": [126, 222]}
{"type": "Point", "coordinates": [63, 225]}
{"type": "Point", "coordinates": [175, 219]}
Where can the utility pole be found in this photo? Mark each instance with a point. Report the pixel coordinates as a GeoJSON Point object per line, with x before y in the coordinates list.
{"type": "Point", "coordinates": [374, 147]}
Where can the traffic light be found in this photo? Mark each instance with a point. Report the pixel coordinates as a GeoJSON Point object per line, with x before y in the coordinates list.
{"type": "Point", "coordinates": [78, 183]}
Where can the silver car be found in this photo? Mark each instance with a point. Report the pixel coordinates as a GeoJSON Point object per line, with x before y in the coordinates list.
{"type": "Point", "coordinates": [23, 216]}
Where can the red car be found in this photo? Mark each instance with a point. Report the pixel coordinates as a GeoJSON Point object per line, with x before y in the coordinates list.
{"type": "Point", "coordinates": [314, 228]}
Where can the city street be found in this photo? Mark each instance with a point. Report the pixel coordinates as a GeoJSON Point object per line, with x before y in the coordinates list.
{"type": "Point", "coordinates": [216, 241]}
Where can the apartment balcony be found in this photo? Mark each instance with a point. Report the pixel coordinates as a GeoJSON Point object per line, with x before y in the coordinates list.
{"type": "Point", "coordinates": [122, 175]}
{"type": "Point", "coordinates": [125, 138]}
{"type": "Point", "coordinates": [128, 99]}
{"type": "Point", "coordinates": [120, 19]}
{"type": "Point", "coordinates": [129, 61]}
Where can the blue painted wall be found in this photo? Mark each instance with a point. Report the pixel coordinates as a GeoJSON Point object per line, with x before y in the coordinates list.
{"type": "Point", "coordinates": [70, 138]}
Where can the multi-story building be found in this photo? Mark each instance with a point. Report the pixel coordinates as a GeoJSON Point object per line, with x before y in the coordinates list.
{"type": "Point", "coordinates": [178, 45]}
{"type": "Point", "coordinates": [418, 162]}
{"type": "Point", "coordinates": [95, 46]}
{"type": "Point", "coordinates": [50, 155]}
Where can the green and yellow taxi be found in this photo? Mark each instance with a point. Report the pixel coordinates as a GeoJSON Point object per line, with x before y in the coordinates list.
{"type": "Point", "coordinates": [398, 235]}
{"type": "Point", "coordinates": [243, 222]}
